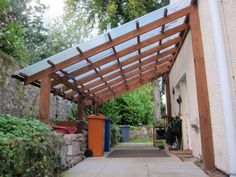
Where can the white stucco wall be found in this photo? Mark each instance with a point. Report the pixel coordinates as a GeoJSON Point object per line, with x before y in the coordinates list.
{"type": "Point", "coordinates": [184, 64]}
{"type": "Point", "coordinates": [229, 20]}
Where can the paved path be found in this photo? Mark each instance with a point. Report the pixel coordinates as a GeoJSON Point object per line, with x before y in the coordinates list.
{"type": "Point", "coordinates": [134, 167]}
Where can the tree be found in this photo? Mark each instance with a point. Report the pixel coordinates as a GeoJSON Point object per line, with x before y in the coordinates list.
{"type": "Point", "coordinates": [22, 30]}
{"type": "Point", "coordinates": [112, 13]}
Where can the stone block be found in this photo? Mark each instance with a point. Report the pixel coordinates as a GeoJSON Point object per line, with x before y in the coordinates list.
{"type": "Point", "coordinates": [73, 149]}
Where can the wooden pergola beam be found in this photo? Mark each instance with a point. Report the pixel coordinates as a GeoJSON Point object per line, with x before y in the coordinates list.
{"type": "Point", "coordinates": [126, 62]}
{"type": "Point", "coordinates": [130, 75]}
{"type": "Point", "coordinates": [44, 99]}
{"type": "Point", "coordinates": [120, 85]}
{"type": "Point", "coordinates": [80, 107]}
{"type": "Point", "coordinates": [95, 69]}
{"type": "Point", "coordinates": [202, 93]}
{"type": "Point", "coordinates": [130, 50]}
{"type": "Point", "coordinates": [130, 60]}
{"type": "Point", "coordinates": [146, 63]}
{"type": "Point", "coordinates": [118, 60]}
{"type": "Point", "coordinates": [133, 87]}
{"type": "Point", "coordinates": [107, 45]}
{"type": "Point", "coordinates": [168, 99]}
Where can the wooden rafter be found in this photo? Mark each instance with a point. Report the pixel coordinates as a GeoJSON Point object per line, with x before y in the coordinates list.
{"type": "Point", "coordinates": [107, 45]}
{"type": "Point", "coordinates": [127, 51]}
{"type": "Point", "coordinates": [95, 69]}
{"type": "Point", "coordinates": [145, 62]}
{"type": "Point", "coordinates": [128, 61]}
{"type": "Point", "coordinates": [148, 69]}
{"type": "Point", "coordinates": [131, 75]}
{"type": "Point", "coordinates": [122, 91]}
{"type": "Point", "coordinates": [118, 60]}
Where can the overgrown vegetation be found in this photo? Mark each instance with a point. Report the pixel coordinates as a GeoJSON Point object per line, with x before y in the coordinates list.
{"type": "Point", "coordinates": [27, 148]}
{"type": "Point", "coordinates": [131, 108]}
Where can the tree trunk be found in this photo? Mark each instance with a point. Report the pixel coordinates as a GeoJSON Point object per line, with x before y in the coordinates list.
{"type": "Point", "coordinates": [157, 102]}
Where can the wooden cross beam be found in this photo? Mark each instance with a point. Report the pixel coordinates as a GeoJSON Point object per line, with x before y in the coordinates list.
{"type": "Point", "coordinates": [132, 87]}
{"type": "Point", "coordinates": [134, 79]}
{"type": "Point", "coordinates": [148, 61]}
{"type": "Point", "coordinates": [128, 61]}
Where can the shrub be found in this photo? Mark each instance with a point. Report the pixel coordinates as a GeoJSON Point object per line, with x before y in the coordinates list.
{"type": "Point", "coordinates": [115, 134]}
{"type": "Point", "coordinates": [27, 148]}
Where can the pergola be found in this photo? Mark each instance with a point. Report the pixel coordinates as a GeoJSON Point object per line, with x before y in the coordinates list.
{"type": "Point", "coordinates": [124, 59]}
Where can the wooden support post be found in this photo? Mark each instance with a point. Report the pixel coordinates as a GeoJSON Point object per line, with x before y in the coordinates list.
{"type": "Point", "coordinates": [202, 93]}
{"type": "Point", "coordinates": [95, 105]}
{"type": "Point", "coordinates": [44, 102]}
{"type": "Point", "coordinates": [80, 107]}
{"type": "Point", "coordinates": [168, 100]}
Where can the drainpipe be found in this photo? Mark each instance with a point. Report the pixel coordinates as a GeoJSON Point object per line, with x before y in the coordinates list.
{"type": "Point", "coordinates": [225, 85]}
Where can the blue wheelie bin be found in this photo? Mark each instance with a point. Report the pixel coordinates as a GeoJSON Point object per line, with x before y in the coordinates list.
{"type": "Point", "coordinates": [124, 132]}
{"type": "Point", "coordinates": [107, 143]}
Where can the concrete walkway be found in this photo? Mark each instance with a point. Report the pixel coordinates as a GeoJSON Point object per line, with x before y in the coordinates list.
{"type": "Point", "coordinates": [134, 167]}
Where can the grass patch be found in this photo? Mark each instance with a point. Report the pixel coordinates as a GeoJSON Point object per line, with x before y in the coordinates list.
{"type": "Point", "coordinates": [142, 139]}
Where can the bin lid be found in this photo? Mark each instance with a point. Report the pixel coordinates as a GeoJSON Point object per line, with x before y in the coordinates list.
{"type": "Point", "coordinates": [124, 126]}
{"type": "Point", "coordinates": [96, 116]}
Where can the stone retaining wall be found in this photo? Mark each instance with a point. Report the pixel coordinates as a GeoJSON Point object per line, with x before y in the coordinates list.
{"type": "Point", "coordinates": [140, 132]}
{"type": "Point", "coordinates": [73, 148]}
{"type": "Point", "coordinates": [19, 100]}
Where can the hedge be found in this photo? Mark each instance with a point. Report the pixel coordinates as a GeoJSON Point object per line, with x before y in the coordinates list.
{"type": "Point", "coordinates": [28, 148]}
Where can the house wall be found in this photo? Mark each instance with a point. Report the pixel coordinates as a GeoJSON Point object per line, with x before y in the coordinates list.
{"type": "Point", "coordinates": [189, 116]}
{"type": "Point", "coordinates": [185, 65]}
{"type": "Point", "coordinates": [229, 19]}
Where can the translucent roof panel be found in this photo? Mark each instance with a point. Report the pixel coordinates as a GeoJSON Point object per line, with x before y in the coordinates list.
{"type": "Point", "coordinates": [171, 37]}
{"type": "Point", "coordinates": [146, 19]}
{"type": "Point", "coordinates": [123, 29]}
{"type": "Point", "coordinates": [94, 80]}
{"type": "Point", "coordinates": [150, 34]}
{"type": "Point", "coordinates": [150, 46]}
{"type": "Point", "coordinates": [128, 56]}
{"type": "Point", "coordinates": [112, 72]}
{"type": "Point", "coordinates": [85, 75]}
{"type": "Point", "coordinates": [163, 58]}
{"type": "Point", "coordinates": [168, 48]}
{"type": "Point", "coordinates": [146, 58]}
{"type": "Point", "coordinates": [101, 55]}
{"type": "Point", "coordinates": [130, 64]}
{"type": "Point", "coordinates": [41, 65]}
{"type": "Point", "coordinates": [94, 42]}
{"type": "Point", "coordinates": [109, 64]}
{"type": "Point", "coordinates": [114, 79]}
{"type": "Point", "coordinates": [76, 66]}
{"type": "Point", "coordinates": [126, 44]}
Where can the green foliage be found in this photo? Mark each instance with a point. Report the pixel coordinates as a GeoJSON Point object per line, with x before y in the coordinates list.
{"type": "Point", "coordinates": [141, 139]}
{"type": "Point", "coordinates": [12, 40]}
{"type": "Point", "coordinates": [112, 13]}
{"type": "Point", "coordinates": [131, 108]}
{"type": "Point", "coordinates": [115, 134]}
{"type": "Point", "coordinates": [21, 28]}
{"type": "Point", "coordinates": [27, 148]}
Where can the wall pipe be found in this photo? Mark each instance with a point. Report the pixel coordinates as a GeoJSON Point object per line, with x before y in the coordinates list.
{"type": "Point", "coordinates": [225, 83]}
